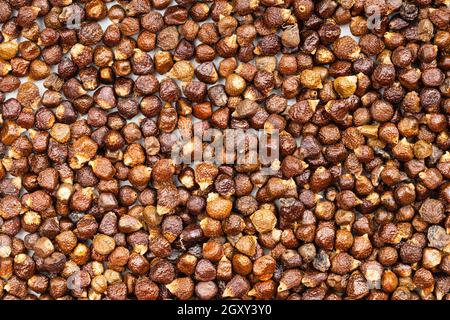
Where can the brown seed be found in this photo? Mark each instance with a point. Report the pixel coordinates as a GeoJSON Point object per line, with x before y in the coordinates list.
{"type": "Point", "coordinates": [432, 211]}
{"type": "Point", "coordinates": [103, 244]}
{"type": "Point", "coordinates": [354, 206]}
{"type": "Point", "coordinates": [145, 289]}
{"type": "Point", "coordinates": [290, 279]}
{"type": "Point", "coordinates": [218, 207]}
{"type": "Point", "coordinates": [264, 220]}
{"type": "Point", "coordinates": [247, 245]}
{"type": "Point", "coordinates": [182, 288]}
{"type": "Point", "coordinates": [236, 287]}
{"type": "Point", "coordinates": [345, 86]}
{"type": "Point", "coordinates": [8, 50]}
{"type": "Point", "coordinates": [357, 286]}
{"type": "Point", "coordinates": [264, 267]}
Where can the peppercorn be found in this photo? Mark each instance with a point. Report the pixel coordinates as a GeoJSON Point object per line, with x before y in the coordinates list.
{"type": "Point", "coordinates": [368, 134]}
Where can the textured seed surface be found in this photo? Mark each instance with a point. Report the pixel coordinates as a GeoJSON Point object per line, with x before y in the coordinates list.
{"type": "Point", "coordinates": [95, 204]}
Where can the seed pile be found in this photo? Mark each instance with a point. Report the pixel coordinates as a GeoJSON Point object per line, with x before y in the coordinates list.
{"type": "Point", "coordinates": [93, 207]}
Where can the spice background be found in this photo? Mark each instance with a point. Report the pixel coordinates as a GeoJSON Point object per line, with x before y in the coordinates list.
{"type": "Point", "coordinates": [93, 207]}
